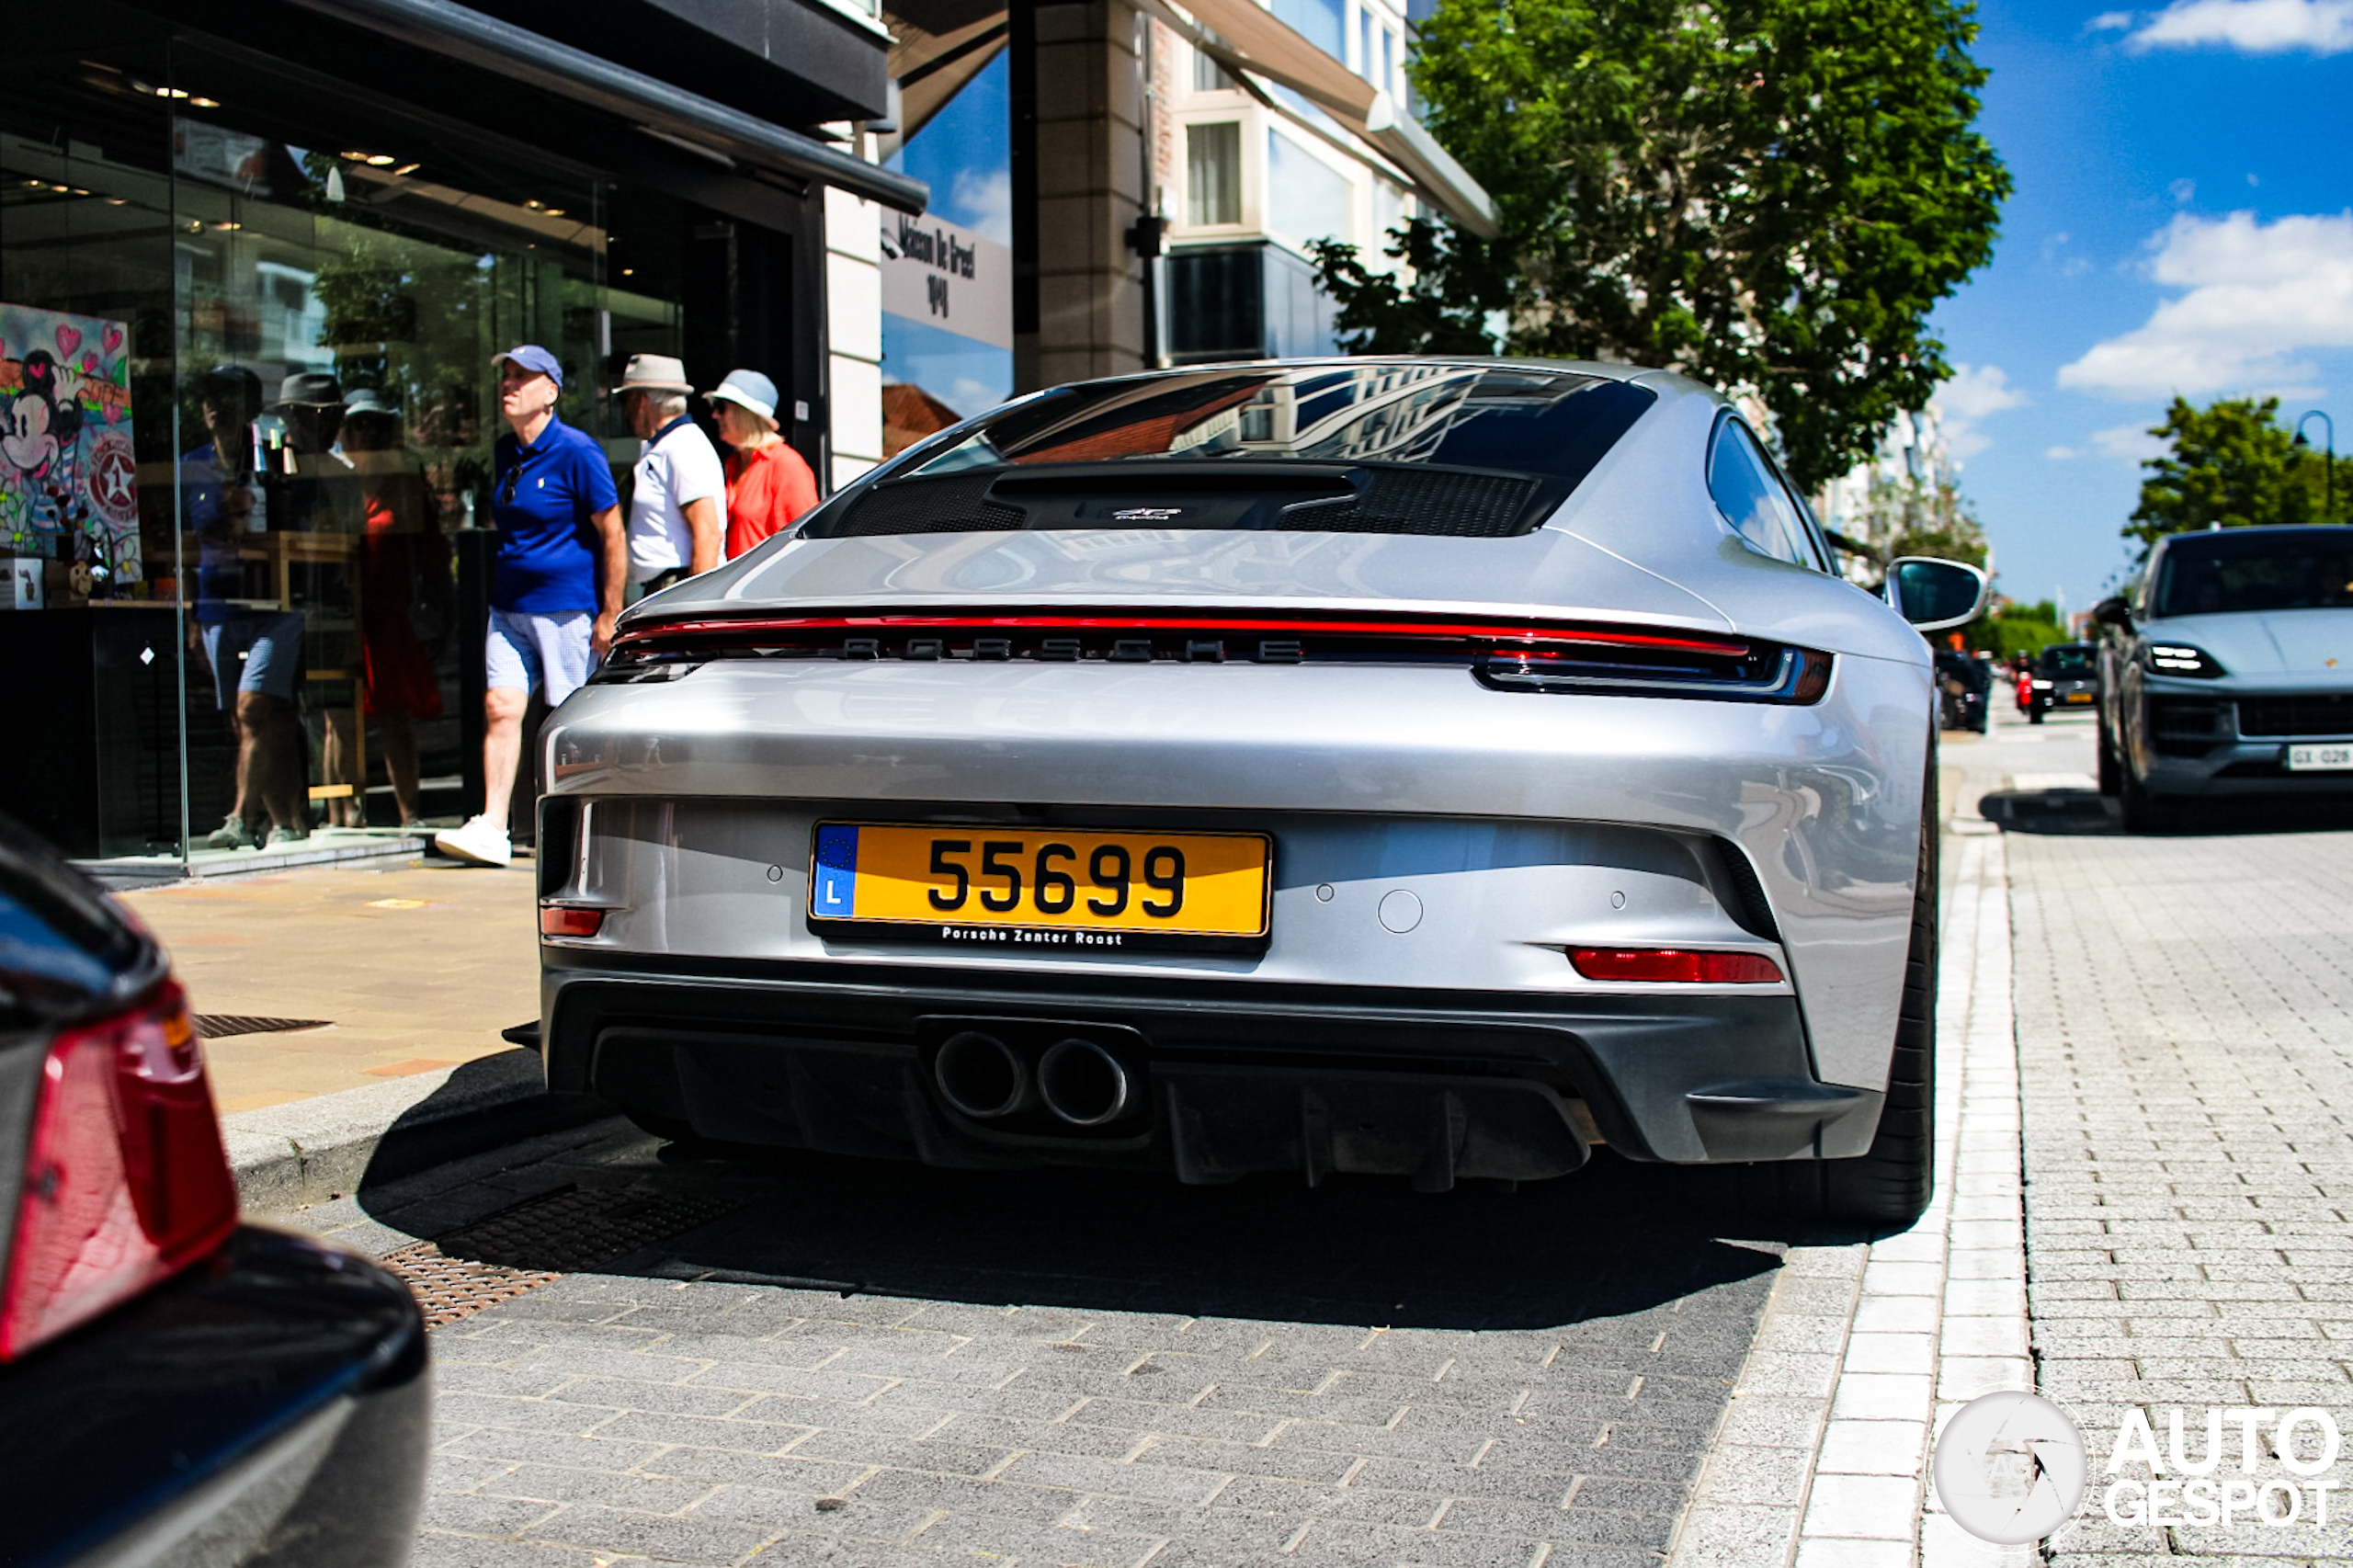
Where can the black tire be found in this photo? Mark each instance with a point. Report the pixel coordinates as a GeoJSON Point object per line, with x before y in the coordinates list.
{"type": "Point", "coordinates": [1889, 1187]}
{"type": "Point", "coordinates": [2112, 776]}
{"type": "Point", "coordinates": [2142, 811]}
{"type": "Point", "coordinates": [2034, 714]}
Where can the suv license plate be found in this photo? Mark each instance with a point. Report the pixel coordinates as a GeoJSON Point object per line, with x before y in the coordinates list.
{"type": "Point", "coordinates": [2333, 757]}
{"type": "Point", "coordinates": [1050, 888]}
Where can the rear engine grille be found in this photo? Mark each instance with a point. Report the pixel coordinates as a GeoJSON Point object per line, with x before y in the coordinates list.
{"type": "Point", "coordinates": [2310, 714]}
{"type": "Point", "coordinates": [2185, 726]}
{"type": "Point", "coordinates": [1502, 655]}
{"type": "Point", "coordinates": [1446, 502]}
{"type": "Point", "coordinates": [1450, 506]}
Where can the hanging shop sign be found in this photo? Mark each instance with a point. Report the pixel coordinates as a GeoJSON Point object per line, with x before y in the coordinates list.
{"type": "Point", "coordinates": [946, 276]}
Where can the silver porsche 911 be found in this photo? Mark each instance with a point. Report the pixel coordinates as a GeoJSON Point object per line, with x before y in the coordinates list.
{"type": "Point", "coordinates": [1422, 767]}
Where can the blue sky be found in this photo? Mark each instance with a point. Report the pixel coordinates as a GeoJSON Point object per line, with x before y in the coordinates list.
{"type": "Point", "coordinates": [2183, 222]}
{"type": "Point", "coordinates": [964, 153]}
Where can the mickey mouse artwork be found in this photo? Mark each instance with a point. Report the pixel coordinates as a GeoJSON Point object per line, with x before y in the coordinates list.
{"type": "Point", "coordinates": [68, 475]}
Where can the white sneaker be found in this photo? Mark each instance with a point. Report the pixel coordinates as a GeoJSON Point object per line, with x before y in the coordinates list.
{"type": "Point", "coordinates": [478, 841]}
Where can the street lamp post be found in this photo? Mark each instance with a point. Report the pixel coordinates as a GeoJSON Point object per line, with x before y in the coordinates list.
{"type": "Point", "coordinates": [2328, 472]}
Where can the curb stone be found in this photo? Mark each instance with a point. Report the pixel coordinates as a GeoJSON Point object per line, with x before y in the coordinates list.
{"type": "Point", "coordinates": [311, 1151]}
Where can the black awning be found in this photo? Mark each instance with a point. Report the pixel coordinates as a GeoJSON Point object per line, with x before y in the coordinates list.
{"type": "Point", "coordinates": [458, 32]}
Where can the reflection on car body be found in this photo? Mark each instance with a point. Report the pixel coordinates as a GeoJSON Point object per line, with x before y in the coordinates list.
{"type": "Point", "coordinates": [1562, 794]}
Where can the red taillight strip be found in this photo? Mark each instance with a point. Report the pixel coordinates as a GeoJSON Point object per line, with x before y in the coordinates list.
{"type": "Point", "coordinates": [1399, 627]}
{"type": "Point", "coordinates": [1674, 966]}
{"type": "Point", "coordinates": [125, 1180]}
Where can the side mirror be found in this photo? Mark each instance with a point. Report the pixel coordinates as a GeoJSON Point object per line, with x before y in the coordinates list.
{"type": "Point", "coordinates": [2113, 612]}
{"type": "Point", "coordinates": [1936, 594]}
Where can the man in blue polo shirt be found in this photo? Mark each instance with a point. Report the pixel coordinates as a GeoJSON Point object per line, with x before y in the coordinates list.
{"type": "Point", "coordinates": [562, 558]}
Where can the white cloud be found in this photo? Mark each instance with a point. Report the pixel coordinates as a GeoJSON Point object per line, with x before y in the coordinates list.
{"type": "Point", "coordinates": [2130, 443]}
{"type": "Point", "coordinates": [2109, 22]}
{"type": "Point", "coordinates": [983, 202]}
{"type": "Point", "coordinates": [2182, 190]}
{"type": "Point", "coordinates": [2061, 454]}
{"type": "Point", "coordinates": [2257, 295]}
{"type": "Point", "coordinates": [2251, 26]}
{"type": "Point", "coordinates": [1975, 391]}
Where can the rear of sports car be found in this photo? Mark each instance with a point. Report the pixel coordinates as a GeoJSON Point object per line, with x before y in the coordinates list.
{"type": "Point", "coordinates": [1390, 768]}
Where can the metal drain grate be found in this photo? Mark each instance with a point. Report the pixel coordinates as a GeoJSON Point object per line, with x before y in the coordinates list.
{"type": "Point", "coordinates": [220, 1026]}
{"type": "Point", "coordinates": [574, 1230]}
{"type": "Point", "coordinates": [453, 1287]}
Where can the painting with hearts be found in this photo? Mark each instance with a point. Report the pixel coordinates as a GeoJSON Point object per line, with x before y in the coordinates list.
{"type": "Point", "coordinates": [67, 469]}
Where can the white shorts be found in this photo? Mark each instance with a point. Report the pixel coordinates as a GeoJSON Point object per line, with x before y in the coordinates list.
{"type": "Point", "coordinates": [544, 653]}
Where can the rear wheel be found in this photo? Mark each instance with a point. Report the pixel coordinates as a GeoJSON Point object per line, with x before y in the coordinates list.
{"type": "Point", "coordinates": [2034, 714]}
{"type": "Point", "coordinates": [2142, 811]}
{"type": "Point", "coordinates": [1887, 1187]}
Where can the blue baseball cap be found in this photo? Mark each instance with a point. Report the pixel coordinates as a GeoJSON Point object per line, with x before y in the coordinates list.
{"type": "Point", "coordinates": [531, 357]}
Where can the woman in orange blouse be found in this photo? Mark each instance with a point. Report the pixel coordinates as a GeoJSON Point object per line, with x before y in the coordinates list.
{"type": "Point", "coordinates": [767, 485]}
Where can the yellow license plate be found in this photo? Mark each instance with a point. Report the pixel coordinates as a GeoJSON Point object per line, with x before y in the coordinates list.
{"type": "Point", "coordinates": [1087, 889]}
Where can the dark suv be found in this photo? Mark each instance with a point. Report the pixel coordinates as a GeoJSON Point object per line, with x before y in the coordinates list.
{"type": "Point", "coordinates": [2065, 676]}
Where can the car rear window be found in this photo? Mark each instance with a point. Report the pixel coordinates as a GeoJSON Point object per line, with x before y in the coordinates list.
{"type": "Point", "coordinates": [1466, 451]}
{"type": "Point", "coordinates": [2253, 569]}
{"type": "Point", "coordinates": [2069, 660]}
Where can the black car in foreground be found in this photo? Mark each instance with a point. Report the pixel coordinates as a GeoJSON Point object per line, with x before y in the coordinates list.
{"type": "Point", "coordinates": [176, 1388]}
{"type": "Point", "coordinates": [1965, 691]}
{"type": "Point", "coordinates": [2065, 679]}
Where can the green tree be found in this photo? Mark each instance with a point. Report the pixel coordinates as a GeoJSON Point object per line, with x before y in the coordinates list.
{"type": "Point", "coordinates": [2233, 463]}
{"type": "Point", "coordinates": [1769, 195]}
{"type": "Point", "coordinates": [2015, 628]}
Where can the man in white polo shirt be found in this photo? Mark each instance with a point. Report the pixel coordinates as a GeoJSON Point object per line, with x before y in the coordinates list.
{"type": "Point", "coordinates": [675, 523]}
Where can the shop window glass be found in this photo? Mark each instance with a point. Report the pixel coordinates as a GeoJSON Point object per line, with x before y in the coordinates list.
{"type": "Point", "coordinates": [1213, 173]}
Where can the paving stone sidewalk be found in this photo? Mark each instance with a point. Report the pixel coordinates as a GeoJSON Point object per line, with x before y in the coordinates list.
{"type": "Point", "coordinates": [412, 966]}
{"type": "Point", "coordinates": [2185, 1011]}
{"type": "Point", "coordinates": [1021, 1368]}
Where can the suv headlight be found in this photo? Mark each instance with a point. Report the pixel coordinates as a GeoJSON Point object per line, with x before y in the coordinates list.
{"type": "Point", "coordinates": [2181, 659]}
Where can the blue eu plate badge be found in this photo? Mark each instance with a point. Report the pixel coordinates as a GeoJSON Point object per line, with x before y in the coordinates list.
{"type": "Point", "coordinates": [836, 895]}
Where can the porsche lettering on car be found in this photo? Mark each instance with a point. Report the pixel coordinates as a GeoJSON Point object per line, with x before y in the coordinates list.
{"type": "Point", "coordinates": [1422, 767]}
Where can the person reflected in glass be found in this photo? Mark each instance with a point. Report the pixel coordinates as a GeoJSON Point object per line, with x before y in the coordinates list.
{"type": "Point", "coordinates": [405, 608]}
{"type": "Point", "coordinates": [556, 589]}
{"type": "Point", "coordinates": [769, 484]}
{"type": "Point", "coordinates": [252, 643]}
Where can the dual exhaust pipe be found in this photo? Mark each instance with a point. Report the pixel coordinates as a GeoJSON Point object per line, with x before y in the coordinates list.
{"type": "Point", "coordinates": [1079, 1081]}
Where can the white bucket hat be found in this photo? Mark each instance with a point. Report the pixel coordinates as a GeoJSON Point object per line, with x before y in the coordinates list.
{"type": "Point", "coordinates": [747, 388]}
{"type": "Point", "coordinates": [653, 372]}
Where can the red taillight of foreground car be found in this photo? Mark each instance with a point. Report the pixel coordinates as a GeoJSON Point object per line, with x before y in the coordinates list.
{"type": "Point", "coordinates": [1674, 966]}
{"type": "Point", "coordinates": [558, 920]}
{"type": "Point", "coordinates": [126, 1181]}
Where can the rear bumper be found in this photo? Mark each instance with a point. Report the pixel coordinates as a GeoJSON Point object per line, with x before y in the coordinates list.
{"type": "Point", "coordinates": [273, 1404]}
{"type": "Point", "coordinates": [1231, 1077]}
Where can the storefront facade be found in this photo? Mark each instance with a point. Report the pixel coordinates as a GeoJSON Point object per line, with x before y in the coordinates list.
{"type": "Point", "coordinates": [254, 262]}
